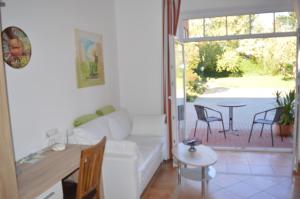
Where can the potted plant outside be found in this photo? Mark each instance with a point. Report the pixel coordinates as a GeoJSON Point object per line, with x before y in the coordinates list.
{"type": "Point", "coordinates": [287, 118]}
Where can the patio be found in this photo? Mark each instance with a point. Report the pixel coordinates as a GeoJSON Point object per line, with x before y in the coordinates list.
{"type": "Point", "coordinates": [242, 119]}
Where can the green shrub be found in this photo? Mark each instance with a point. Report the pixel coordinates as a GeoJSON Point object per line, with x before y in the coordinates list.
{"type": "Point", "coordinates": [208, 54]}
{"type": "Point", "coordinates": [195, 86]}
{"type": "Point", "coordinates": [230, 62]}
{"type": "Point", "coordinates": [191, 97]}
{"type": "Point", "coordinates": [287, 70]}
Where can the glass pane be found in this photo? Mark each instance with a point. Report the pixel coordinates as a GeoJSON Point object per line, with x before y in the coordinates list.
{"type": "Point", "coordinates": [215, 26]}
{"type": "Point", "coordinates": [262, 23]}
{"type": "Point", "coordinates": [194, 28]}
{"type": "Point", "coordinates": [238, 25]}
{"type": "Point", "coordinates": [180, 95]}
{"type": "Point", "coordinates": [179, 71]}
{"type": "Point", "coordinates": [285, 22]}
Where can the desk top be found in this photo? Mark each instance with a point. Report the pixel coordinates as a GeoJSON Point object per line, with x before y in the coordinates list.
{"type": "Point", "coordinates": [203, 157]}
{"type": "Point", "coordinates": [36, 178]}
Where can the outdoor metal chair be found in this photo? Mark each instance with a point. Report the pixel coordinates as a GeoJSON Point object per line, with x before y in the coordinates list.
{"type": "Point", "coordinates": [268, 121]}
{"type": "Point", "coordinates": [180, 114]}
{"type": "Point", "coordinates": [202, 114]}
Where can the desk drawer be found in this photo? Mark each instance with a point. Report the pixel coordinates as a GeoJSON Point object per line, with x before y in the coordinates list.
{"type": "Point", "coordinates": [55, 192]}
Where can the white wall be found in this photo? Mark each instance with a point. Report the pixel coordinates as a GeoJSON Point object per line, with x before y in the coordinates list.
{"type": "Point", "coordinates": [139, 38]}
{"type": "Point", "coordinates": [44, 94]}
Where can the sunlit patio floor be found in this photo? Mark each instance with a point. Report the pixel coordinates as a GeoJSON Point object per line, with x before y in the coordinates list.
{"type": "Point", "coordinates": [242, 120]}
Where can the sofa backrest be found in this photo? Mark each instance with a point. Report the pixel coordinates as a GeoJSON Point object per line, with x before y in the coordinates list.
{"type": "Point", "coordinates": [92, 132]}
{"type": "Point", "coordinates": [116, 125]}
{"type": "Point", "coordinates": [120, 124]}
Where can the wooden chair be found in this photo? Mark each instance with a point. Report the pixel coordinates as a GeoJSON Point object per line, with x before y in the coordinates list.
{"type": "Point", "coordinates": [88, 186]}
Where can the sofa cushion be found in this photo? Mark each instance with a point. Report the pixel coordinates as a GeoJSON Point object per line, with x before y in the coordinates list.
{"type": "Point", "coordinates": [120, 124]}
{"type": "Point", "coordinates": [148, 147]}
{"type": "Point", "coordinates": [84, 119]}
{"type": "Point", "coordinates": [123, 147]}
{"type": "Point", "coordinates": [148, 125]}
{"type": "Point", "coordinates": [90, 133]}
{"type": "Point", "coordinates": [105, 110]}
{"type": "Point", "coordinates": [149, 141]}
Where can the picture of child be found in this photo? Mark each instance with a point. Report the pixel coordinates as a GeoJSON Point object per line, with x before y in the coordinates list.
{"type": "Point", "coordinates": [16, 47]}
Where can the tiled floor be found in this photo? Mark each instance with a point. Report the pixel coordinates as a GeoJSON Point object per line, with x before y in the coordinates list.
{"type": "Point", "coordinates": [240, 175]}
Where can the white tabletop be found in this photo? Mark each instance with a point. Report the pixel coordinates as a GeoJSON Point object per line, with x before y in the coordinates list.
{"type": "Point", "coordinates": [231, 104]}
{"type": "Point", "coordinates": [203, 157]}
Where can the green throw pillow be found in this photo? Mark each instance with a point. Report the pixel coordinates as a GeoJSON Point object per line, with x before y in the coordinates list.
{"type": "Point", "coordinates": [84, 119]}
{"type": "Point", "coordinates": [105, 110]}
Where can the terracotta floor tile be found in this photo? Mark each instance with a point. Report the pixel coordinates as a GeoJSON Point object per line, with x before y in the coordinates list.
{"type": "Point", "coordinates": [283, 192]}
{"type": "Point", "coordinates": [242, 190]}
{"type": "Point", "coordinates": [282, 170]}
{"type": "Point", "coordinates": [225, 180]}
{"type": "Point", "coordinates": [268, 179]}
{"type": "Point", "coordinates": [261, 170]}
{"type": "Point", "coordinates": [223, 194]}
{"type": "Point", "coordinates": [262, 195]}
{"type": "Point", "coordinates": [239, 169]}
{"type": "Point", "coordinates": [260, 182]}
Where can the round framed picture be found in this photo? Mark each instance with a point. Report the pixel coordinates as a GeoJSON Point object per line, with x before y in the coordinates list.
{"type": "Point", "coordinates": [16, 47]}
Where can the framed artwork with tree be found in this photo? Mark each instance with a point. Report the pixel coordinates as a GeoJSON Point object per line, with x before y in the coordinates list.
{"type": "Point", "coordinates": [89, 59]}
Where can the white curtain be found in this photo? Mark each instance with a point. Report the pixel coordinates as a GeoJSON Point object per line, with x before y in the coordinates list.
{"type": "Point", "coordinates": [297, 116]}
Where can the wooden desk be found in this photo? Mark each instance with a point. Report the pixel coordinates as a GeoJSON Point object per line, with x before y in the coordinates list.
{"type": "Point", "coordinates": [36, 178]}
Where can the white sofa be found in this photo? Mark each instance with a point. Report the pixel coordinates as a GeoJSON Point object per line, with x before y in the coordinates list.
{"type": "Point", "coordinates": [134, 150]}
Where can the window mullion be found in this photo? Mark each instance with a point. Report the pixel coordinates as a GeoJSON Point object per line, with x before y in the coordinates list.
{"type": "Point", "coordinates": [250, 25]}
{"type": "Point", "coordinates": [274, 28]}
{"type": "Point", "coordinates": [203, 27]}
{"type": "Point", "coordinates": [226, 27]}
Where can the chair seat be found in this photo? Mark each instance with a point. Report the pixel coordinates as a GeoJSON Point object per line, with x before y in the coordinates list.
{"type": "Point", "coordinates": [263, 121]}
{"type": "Point", "coordinates": [213, 119]}
{"type": "Point", "coordinates": [70, 188]}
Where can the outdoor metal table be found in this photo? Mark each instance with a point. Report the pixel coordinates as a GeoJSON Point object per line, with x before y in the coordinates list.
{"type": "Point", "coordinates": [230, 106]}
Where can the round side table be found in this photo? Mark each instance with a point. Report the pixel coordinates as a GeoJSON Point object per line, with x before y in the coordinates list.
{"type": "Point", "coordinates": [201, 160]}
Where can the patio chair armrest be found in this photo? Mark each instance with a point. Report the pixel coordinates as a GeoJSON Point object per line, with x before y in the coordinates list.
{"type": "Point", "coordinates": [213, 110]}
{"type": "Point", "coordinates": [265, 112]}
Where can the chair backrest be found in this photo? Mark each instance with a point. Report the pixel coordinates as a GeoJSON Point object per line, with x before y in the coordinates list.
{"type": "Point", "coordinates": [88, 186]}
{"type": "Point", "coordinates": [201, 112]}
{"type": "Point", "coordinates": [180, 112]}
{"type": "Point", "coordinates": [278, 113]}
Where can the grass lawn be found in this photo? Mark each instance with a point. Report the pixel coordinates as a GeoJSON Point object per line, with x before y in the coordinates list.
{"type": "Point", "coordinates": [252, 81]}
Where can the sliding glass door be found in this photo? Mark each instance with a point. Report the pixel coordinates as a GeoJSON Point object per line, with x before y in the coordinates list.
{"type": "Point", "coordinates": [177, 89]}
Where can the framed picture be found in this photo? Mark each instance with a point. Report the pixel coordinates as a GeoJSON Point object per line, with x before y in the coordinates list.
{"type": "Point", "coordinates": [89, 59]}
{"type": "Point", "coordinates": [16, 47]}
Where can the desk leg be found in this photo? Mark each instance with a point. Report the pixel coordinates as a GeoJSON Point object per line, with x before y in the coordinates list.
{"type": "Point", "coordinates": [203, 183]}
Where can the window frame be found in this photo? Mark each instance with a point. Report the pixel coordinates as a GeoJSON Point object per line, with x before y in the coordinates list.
{"type": "Point", "coordinates": [234, 37]}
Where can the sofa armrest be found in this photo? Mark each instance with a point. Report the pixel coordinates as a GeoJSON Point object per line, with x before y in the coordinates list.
{"type": "Point", "coordinates": [152, 125]}
{"type": "Point", "coordinates": [120, 175]}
